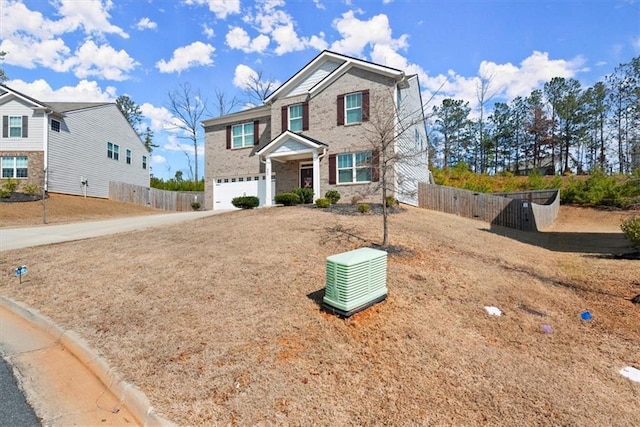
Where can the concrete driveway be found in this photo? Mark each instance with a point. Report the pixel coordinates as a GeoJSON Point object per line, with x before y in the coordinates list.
{"type": "Point", "coordinates": [16, 238]}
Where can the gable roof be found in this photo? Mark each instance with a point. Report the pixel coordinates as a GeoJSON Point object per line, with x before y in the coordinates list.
{"type": "Point", "coordinates": [342, 63]}
{"type": "Point", "coordinates": [56, 108]}
{"type": "Point", "coordinates": [65, 107]}
{"type": "Point", "coordinates": [6, 90]}
{"type": "Point", "coordinates": [288, 135]}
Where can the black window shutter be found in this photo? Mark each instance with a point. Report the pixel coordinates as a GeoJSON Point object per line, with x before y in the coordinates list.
{"type": "Point", "coordinates": [365, 105]}
{"type": "Point", "coordinates": [332, 168]}
{"type": "Point", "coordinates": [285, 118]}
{"type": "Point", "coordinates": [340, 103]}
{"type": "Point", "coordinates": [375, 166]}
{"type": "Point", "coordinates": [5, 126]}
{"type": "Point", "coordinates": [228, 137]}
{"type": "Point", "coordinates": [305, 116]}
{"type": "Point", "coordinates": [256, 134]}
{"type": "Point", "coordinates": [25, 126]}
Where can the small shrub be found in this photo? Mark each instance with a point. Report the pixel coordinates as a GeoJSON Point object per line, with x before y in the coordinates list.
{"type": "Point", "coordinates": [364, 208]}
{"type": "Point", "coordinates": [631, 229]}
{"type": "Point", "coordinates": [304, 194]}
{"type": "Point", "coordinates": [195, 206]}
{"type": "Point", "coordinates": [287, 199]}
{"type": "Point", "coordinates": [31, 189]}
{"type": "Point", "coordinates": [333, 196]}
{"type": "Point", "coordinates": [323, 202]}
{"type": "Point", "coordinates": [245, 202]}
{"type": "Point", "coordinates": [390, 201]}
{"type": "Point", "coordinates": [10, 186]}
{"type": "Point", "coordinates": [4, 193]}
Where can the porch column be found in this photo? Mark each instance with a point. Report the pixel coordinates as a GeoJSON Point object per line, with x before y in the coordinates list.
{"type": "Point", "coordinates": [316, 176]}
{"type": "Point", "coordinates": [267, 194]}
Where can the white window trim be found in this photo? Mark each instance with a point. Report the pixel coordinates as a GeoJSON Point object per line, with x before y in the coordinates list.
{"type": "Point", "coordinates": [57, 125]}
{"type": "Point", "coordinates": [354, 168]}
{"type": "Point", "coordinates": [144, 162]}
{"type": "Point", "coordinates": [299, 118]}
{"type": "Point", "coordinates": [243, 136]}
{"type": "Point", "coordinates": [347, 110]}
{"type": "Point", "coordinates": [13, 127]}
{"type": "Point", "coordinates": [127, 157]}
{"type": "Point", "coordinates": [15, 167]}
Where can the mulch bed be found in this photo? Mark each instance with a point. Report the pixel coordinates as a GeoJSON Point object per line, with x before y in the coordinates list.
{"type": "Point", "coordinates": [21, 197]}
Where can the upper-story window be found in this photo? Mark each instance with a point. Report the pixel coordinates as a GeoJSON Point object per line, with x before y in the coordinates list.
{"type": "Point", "coordinates": [353, 108]}
{"type": "Point", "coordinates": [144, 162]}
{"type": "Point", "coordinates": [242, 135]}
{"type": "Point", "coordinates": [128, 157]}
{"type": "Point", "coordinates": [55, 125]}
{"type": "Point", "coordinates": [295, 118]}
{"type": "Point", "coordinates": [113, 151]}
{"type": "Point", "coordinates": [14, 126]}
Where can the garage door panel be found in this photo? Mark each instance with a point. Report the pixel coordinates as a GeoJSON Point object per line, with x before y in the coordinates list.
{"type": "Point", "coordinates": [225, 190]}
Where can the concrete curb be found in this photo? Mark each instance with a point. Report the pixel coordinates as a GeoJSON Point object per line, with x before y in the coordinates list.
{"type": "Point", "coordinates": [133, 399]}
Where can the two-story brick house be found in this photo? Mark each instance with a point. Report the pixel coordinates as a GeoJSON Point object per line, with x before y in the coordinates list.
{"type": "Point", "coordinates": [322, 129]}
{"type": "Point", "coordinates": [68, 147]}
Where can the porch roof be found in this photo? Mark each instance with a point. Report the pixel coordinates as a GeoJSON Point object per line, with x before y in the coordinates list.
{"type": "Point", "coordinates": [290, 146]}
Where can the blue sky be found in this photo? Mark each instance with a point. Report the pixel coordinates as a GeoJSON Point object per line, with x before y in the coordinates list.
{"type": "Point", "coordinates": [96, 50]}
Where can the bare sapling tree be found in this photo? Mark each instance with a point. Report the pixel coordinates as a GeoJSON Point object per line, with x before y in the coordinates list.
{"type": "Point", "coordinates": [257, 88]}
{"type": "Point", "coordinates": [397, 136]}
{"type": "Point", "coordinates": [187, 106]}
{"type": "Point", "coordinates": [223, 104]}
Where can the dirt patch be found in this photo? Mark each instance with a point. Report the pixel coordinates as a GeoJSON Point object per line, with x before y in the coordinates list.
{"type": "Point", "coordinates": [217, 320]}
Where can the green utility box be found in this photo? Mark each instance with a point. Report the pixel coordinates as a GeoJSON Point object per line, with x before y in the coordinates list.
{"type": "Point", "coordinates": [355, 280]}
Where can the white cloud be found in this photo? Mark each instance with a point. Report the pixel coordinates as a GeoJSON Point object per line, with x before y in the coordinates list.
{"type": "Point", "coordinates": [207, 31]}
{"type": "Point", "coordinates": [507, 81]}
{"type": "Point", "coordinates": [159, 118]}
{"type": "Point", "coordinates": [358, 34]}
{"type": "Point", "coordinates": [84, 91]}
{"type": "Point", "coordinates": [92, 15]}
{"type": "Point", "coordinates": [243, 76]}
{"type": "Point", "coordinates": [220, 8]}
{"type": "Point", "coordinates": [146, 24]}
{"type": "Point", "coordinates": [101, 61]}
{"type": "Point", "coordinates": [32, 40]}
{"type": "Point", "coordinates": [319, 4]}
{"type": "Point", "coordinates": [157, 159]}
{"type": "Point", "coordinates": [197, 53]}
{"type": "Point", "coordinates": [635, 42]}
{"type": "Point", "coordinates": [238, 38]}
{"type": "Point", "coordinates": [273, 23]}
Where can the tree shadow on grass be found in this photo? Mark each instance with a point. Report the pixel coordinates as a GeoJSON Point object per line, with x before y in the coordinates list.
{"type": "Point", "coordinates": [613, 244]}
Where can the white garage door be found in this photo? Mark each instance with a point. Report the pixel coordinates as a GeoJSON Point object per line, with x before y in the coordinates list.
{"type": "Point", "coordinates": [225, 189]}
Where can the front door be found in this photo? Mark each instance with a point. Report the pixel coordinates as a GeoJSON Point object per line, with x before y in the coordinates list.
{"type": "Point", "coordinates": [306, 176]}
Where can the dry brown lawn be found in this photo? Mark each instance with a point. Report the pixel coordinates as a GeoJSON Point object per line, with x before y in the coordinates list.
{"type": "Point", "coordinates": [61, 208]}
{"type": "Point", "coordinates": [218, 320]}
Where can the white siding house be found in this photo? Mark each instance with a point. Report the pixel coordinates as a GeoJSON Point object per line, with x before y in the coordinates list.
{"type": "Point", "coordinates": [70, 148]}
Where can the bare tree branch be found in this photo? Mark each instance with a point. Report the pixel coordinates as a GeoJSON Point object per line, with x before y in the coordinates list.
{"type": "Point", "coordinates": [187, 107]}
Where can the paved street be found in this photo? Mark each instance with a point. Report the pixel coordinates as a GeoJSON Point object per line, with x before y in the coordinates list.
{"type": "Point", "coordinates": [14, 410]}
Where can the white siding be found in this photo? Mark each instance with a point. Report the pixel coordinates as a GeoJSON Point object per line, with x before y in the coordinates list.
{"type": "Point", "coordinates": [35, 139]}
{"type": "Point", "coordinates": [290, 146]}
{"type": "Point", "coordinates": [413, 146]}
{"type": "Point", "coordinates": [79, 152]}
{"type": "Point", "coordinates": [318, 75]}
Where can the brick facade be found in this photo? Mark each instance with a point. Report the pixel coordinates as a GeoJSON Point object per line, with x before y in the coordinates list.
{"type": "Point", "coordinates": [35, 168]}
{"type": "Point", "coordinates": [322, 127]}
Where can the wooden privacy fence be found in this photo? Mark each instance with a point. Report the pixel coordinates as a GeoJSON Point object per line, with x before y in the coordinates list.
{"type": "Point", "coordinates": [525, 210]}
{"type": "Point", "coordinates": [155, 198]}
